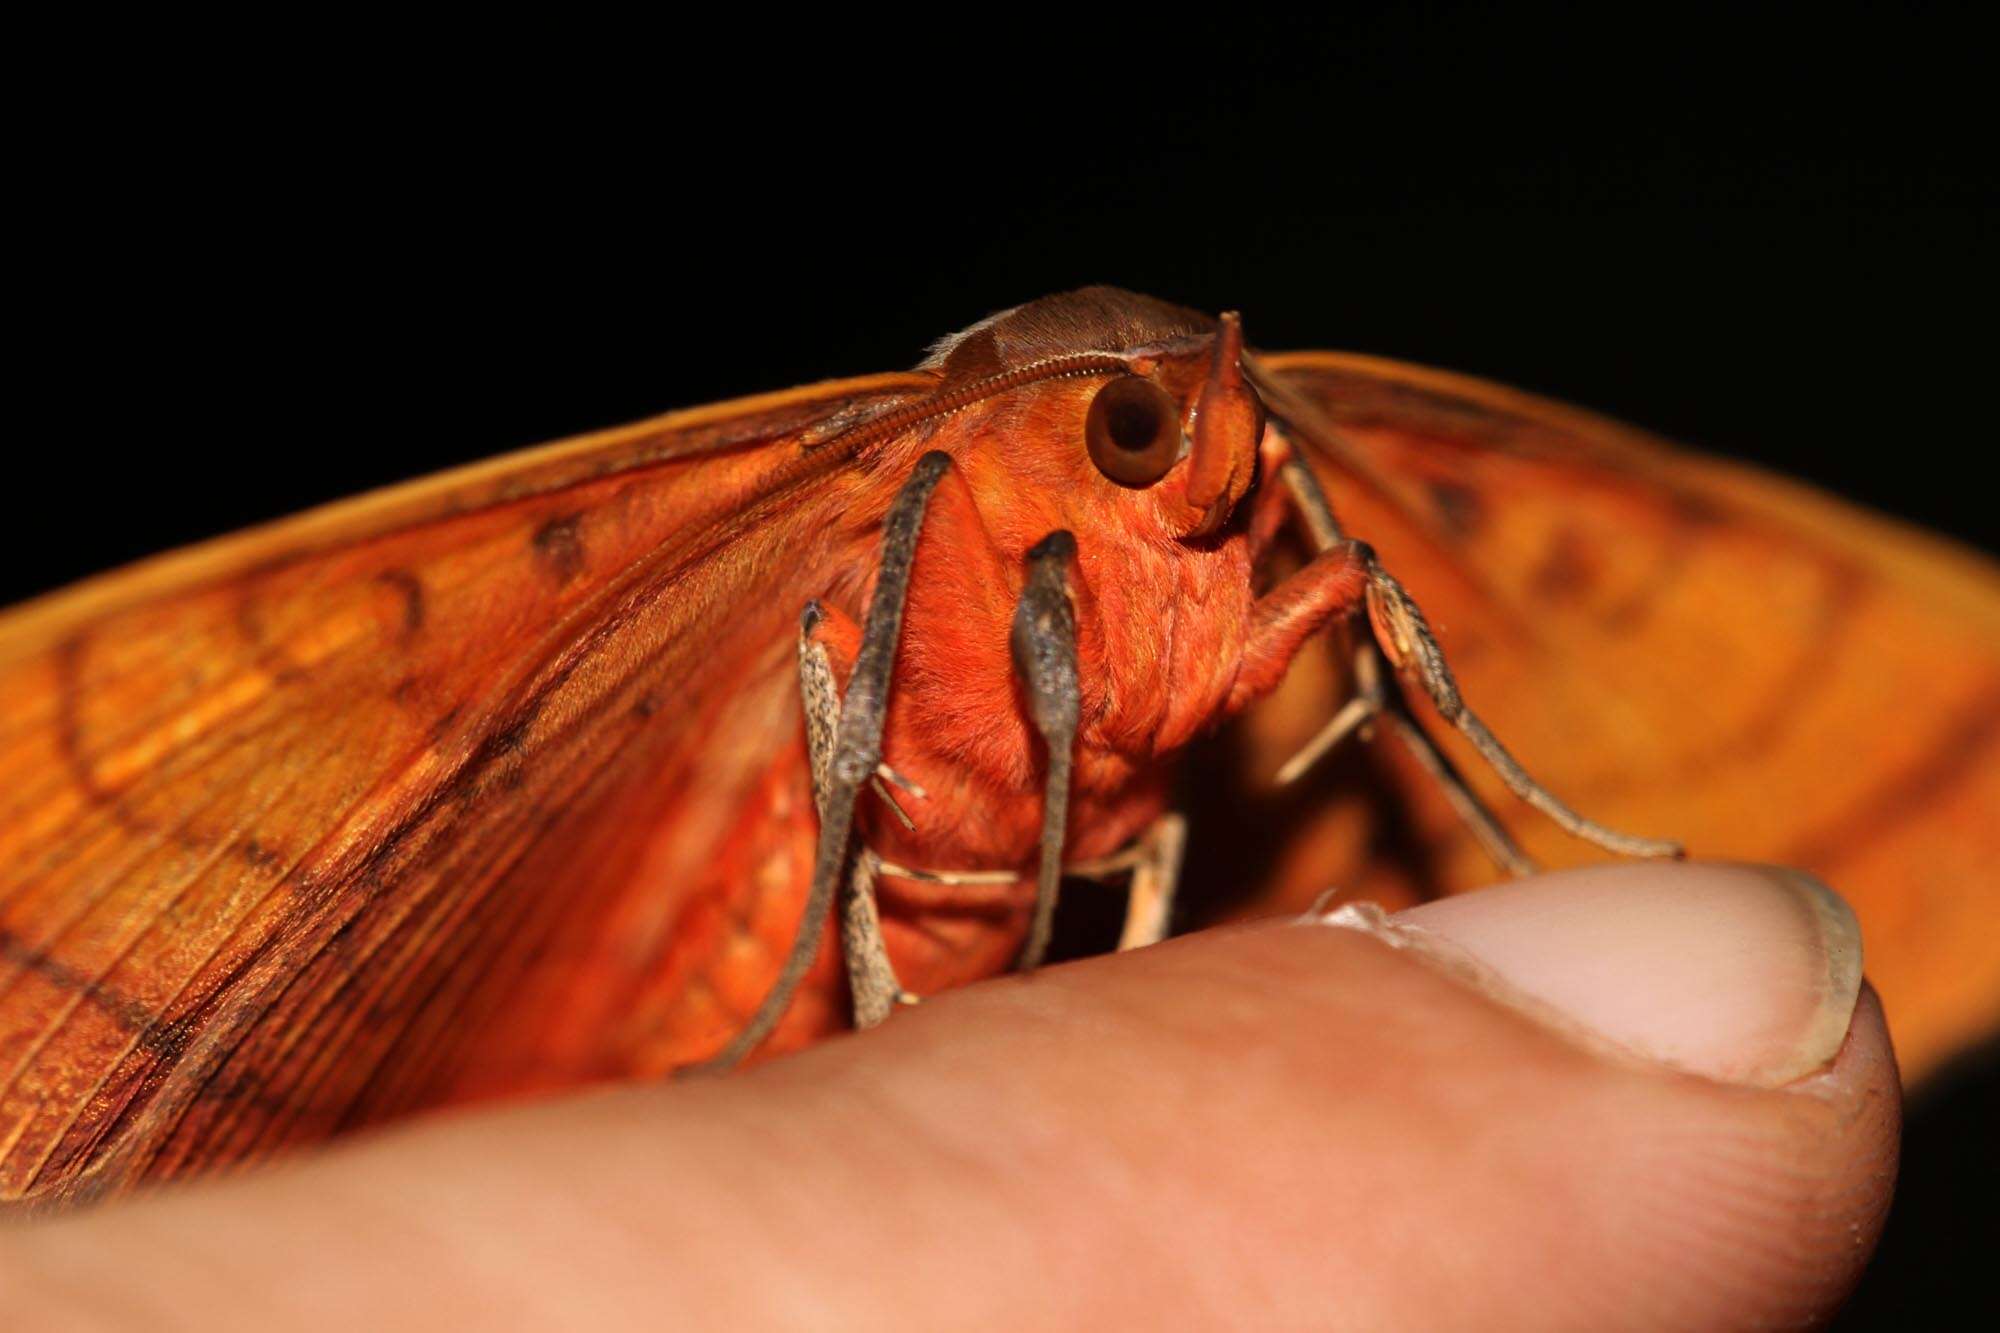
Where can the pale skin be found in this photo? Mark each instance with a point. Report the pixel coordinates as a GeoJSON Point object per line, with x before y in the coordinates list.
{"type": "Point", "coordinates": [1278, 1126]}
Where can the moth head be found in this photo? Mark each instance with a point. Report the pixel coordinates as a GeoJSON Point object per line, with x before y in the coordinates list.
{"type": "Point", "coordinates": [1167, 421]}
{"type": "Point", "coordinates": [1138, 429]}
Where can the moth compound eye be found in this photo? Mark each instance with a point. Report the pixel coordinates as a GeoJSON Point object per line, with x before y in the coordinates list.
{"type": "Point", "coordinates": [1134, 431]}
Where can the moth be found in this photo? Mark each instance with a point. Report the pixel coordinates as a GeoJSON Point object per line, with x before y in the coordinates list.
{"type": "Point", "coordinates": [698, 739]}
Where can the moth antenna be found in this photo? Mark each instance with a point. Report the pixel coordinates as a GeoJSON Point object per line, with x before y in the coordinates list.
{"type": "Point", "coordinates": [956, 398]}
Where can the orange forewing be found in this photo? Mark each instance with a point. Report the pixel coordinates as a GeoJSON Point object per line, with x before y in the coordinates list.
{"type": "Point", "coordinates": [285, 819]}
{"type": "Point", "coordinates": [1678, 646]}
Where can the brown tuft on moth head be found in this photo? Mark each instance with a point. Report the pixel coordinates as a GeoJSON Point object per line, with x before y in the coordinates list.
{"type": "Point", "coordinates": [1090, 319]}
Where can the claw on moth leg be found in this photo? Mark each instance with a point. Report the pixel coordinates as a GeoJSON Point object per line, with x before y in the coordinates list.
{"type": "Point", "coordinates": [891, 776]}
{"type": "Point", "coordinates": [902, 816]}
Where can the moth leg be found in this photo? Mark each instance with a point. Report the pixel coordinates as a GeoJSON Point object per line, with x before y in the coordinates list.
{"type": "Point", "coordinates": [856, 750]}
{"type": "Point", "coordinates": [819, 697]}
{"type": "Point", "coordinates": [1044, 648]}
{"type": "Point", "coordinates": [1356, 716]}
{"type": "Point", "coordinates": [1149, 902]}
{"type": "Point", "coordinates": [871, 978]}
{"type": "Point", "coordinates": [1407, 641]}
{"type": "Point", "coordinates": [1377, 696]}
{"type": "Point", "coordinates": [1154, 860]}
{"type": "Point", "coordinates": [1333, 585]}
{"type": "Point", "coordinates": [1485, 826]}
{"type": "Point", "coordinates": [1404, 639]}
{"type": "Point", "coordinates": [823, 633]}
{"type": "Point", "coordinates": [1311, 504]}
{"type": "Point", "coordinates": [947, 876]}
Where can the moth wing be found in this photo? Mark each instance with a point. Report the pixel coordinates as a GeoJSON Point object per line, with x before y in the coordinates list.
{"type": "Point", "coordinates": [285, 817]}
{"type": "Point", "coordinates": [1677, 646]}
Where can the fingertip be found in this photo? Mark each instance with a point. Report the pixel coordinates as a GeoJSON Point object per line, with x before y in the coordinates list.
{"type": "Point", "coordinates": [1744, 973]}
{"type": "Point", "coordinates": [1752, 1193]}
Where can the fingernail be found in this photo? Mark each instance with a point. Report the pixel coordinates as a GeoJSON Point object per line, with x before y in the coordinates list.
{"type": "Point", "coordinates": [1743, 973]}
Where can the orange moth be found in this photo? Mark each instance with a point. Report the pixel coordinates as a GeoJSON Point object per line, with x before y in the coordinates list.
{"type": "Point", "coordinates": [704, 737]}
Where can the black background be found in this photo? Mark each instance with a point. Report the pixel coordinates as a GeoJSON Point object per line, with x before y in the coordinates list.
{"type": "Point", "coordinates": [273, 268]}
